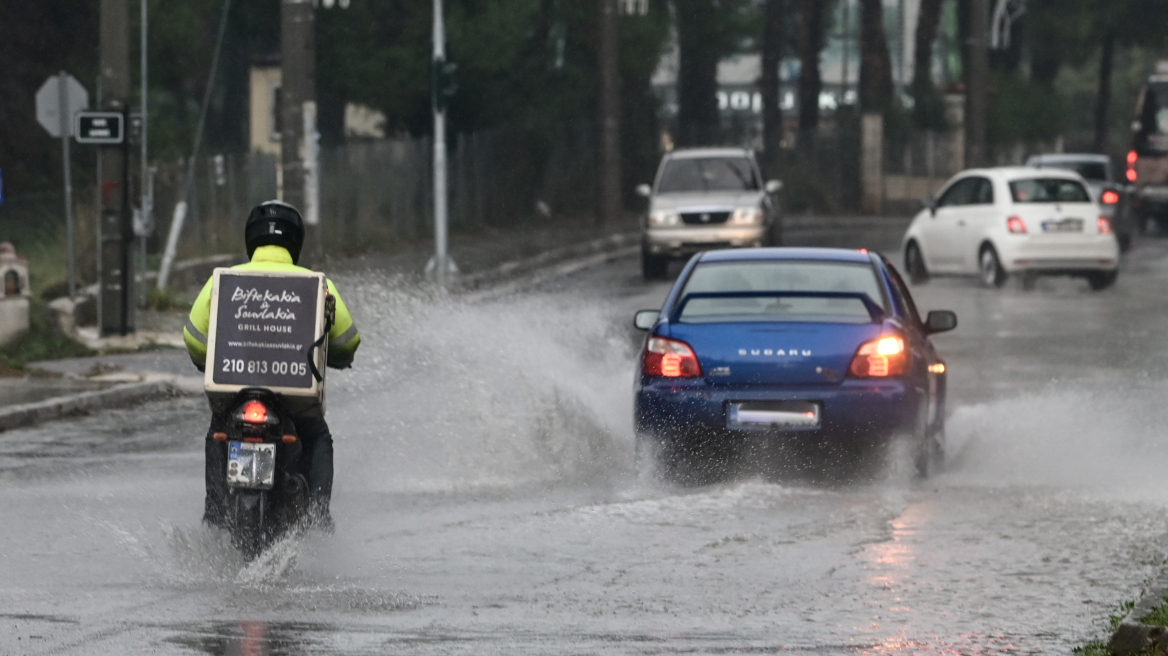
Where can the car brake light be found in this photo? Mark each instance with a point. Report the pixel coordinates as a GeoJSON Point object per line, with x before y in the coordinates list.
{"type": "Point", "coordinates": [254, 412]}
{"type": "Point", "coordinates": [1104, 225]}
{"type": "Point", "coordinates": [1109, 197]}
{"type": "Point", "coordinates": [1016, 225]}
{"type": "Point", "coordinates": [669, 358]}
{"type": "Point", "coordinates": [1131, 166]}
{"type": "Point", "coordinates": [880, 358]}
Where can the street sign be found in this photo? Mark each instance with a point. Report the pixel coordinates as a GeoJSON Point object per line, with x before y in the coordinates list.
{"type": "Point", "coordinates": [49, 105]}
{"type": "Point", "coordinates": [100, 128]}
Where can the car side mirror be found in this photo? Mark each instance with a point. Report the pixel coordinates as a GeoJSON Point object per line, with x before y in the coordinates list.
{"type": "Point", "coordinates": [643, 190]}
{"type": "Point", "coordinates": [773, 186]}
{"type": "Point", "coordinates": [940, 321]}
{"type": "Point", "coordinates": [931, 205]}
{"type": "Point", "coordinates": [644, 319]}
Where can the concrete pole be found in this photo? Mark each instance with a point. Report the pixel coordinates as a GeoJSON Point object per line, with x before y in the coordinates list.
{"type": "Point", "coordinates": [116, 220]}
{"type": "Point", "coordinates": [976, 90]}
{"type": "Point", "coordinates": [610, 161]}
{"type": "Point", "coordinates": [66, 161]}
{"type": "Point", "coordinates": [146, 204]}
{"type": "Point", "coordinates": [441, 265]}
{"type": "Point", "coordinates": [297, 86]}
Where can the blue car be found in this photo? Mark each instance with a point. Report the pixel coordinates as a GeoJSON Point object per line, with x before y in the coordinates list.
{"type": "Point", "coordinates": [816, 348]}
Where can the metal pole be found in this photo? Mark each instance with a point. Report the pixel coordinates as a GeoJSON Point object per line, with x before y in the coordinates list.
{"type": "Point", "coordinates": [610, 163]}
{"type": "Point", "coordinates": [975, 102]}
{"type": "Point", "coordinates": [440, 229]}
{"type": "Point", "coordinates": [66, 132]}
{"type": "Point", "coordinates": [146, 204]}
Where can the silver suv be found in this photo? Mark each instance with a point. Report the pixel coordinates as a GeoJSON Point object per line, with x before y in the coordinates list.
{"type": "Point", "coordinates": [707, 198]}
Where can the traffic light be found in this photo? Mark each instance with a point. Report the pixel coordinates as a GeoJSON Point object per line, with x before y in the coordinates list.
{"type": "Point", "coordinates": [443, 83]}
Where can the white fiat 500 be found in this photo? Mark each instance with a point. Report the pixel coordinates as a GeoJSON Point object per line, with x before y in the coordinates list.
{"type": "Point", "coordinates": [1013, 220]}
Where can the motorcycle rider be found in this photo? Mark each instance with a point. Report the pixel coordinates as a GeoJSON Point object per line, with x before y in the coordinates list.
{"type": "Point", "coordinates": [274, 235]}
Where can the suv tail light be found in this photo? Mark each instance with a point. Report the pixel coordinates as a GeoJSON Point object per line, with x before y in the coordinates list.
{"type": "Point", "coordinates": [1109, 197]}
{"type": "Point", "coordinates": [1104, 225]}
{"type": "Point", "coordinates": [669, 358]}
{"type": "Point", "coordinates": [1016, 225]}
{"type": "Point", "coordinates": [1131, 166]}
{"type": "Point", "coordinates": [880, 358]}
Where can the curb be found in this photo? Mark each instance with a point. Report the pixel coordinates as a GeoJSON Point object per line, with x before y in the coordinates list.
{"type": "Point", "coordinates": [26, 414]}
{"type": "Point", "coordinates": [1133, 637]}
{"type": "Point", "coordinates": [516, 268]}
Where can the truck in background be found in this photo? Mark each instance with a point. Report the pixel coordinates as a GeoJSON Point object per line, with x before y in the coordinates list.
{"type": "Point", "coordinates": [1147, 162]}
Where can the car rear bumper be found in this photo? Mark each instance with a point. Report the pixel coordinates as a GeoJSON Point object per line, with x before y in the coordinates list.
{"type": "Point", "coordinates": [852, 408]}
{"type": "Point", "coordinates": [1097, 253]}
{"type": "Point", "coordinates": [684, 241]}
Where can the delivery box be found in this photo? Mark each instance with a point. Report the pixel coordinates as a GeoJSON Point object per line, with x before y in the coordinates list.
{"type": "Point", "coordinates": [267, 330]}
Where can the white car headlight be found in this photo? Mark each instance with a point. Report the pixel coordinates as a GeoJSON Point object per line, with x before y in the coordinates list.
{"type": "Point", "coordinates": [746, 216]}
{"type": "Point", "coordinates": [664, 218]}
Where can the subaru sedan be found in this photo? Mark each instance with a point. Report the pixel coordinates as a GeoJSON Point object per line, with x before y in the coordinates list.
{"type": "Point", "coordinates": [801, 346]}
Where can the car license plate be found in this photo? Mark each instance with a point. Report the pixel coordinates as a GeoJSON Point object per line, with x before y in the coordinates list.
{"type": "Point", "coordinates": [1062, 225]}
{"type": "Point", "coordinates": [251, 465]}
{"type": "Point", "coordinates": [763, 415]}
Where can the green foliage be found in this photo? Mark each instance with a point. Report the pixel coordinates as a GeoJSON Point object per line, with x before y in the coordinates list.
{"type": "Point", "coordinates": [43, 341]}
{"type": "Point", "coordinates": [165, 299]}
{"type": "Point", "coordinates": [1020, 110]}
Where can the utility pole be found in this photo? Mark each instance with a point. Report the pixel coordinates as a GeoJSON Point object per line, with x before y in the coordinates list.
{"type": "Point", "coordinates": [117, 229]}
{"type": "Point", "coordinates": [297, 87]}
{"type": "Point", "coordinates": [976, 84]}
{"type": "Point", "coordinates": [441, 267]}
{"type": "Point", "coordinates": [610, 160]}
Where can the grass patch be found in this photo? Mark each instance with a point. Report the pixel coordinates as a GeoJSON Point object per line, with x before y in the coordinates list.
{"type": "Point", "coordinates": [1098, 648]}
{"type": "Point", "coordinates": [164, 299]}
{"type": "Point", "coordinates": [1159, 616]}
{"type": "Point", "coordinates": [43, 341]}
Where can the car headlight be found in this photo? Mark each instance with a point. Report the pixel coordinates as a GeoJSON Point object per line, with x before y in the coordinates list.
{"type": "Point", "coordinates": [746, 216]}
{"type": "Point", "coordinates": [664, 218]}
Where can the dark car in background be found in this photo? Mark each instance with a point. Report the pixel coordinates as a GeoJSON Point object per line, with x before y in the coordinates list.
{"type": "Point", "coordinates": [705, 198]}
{"type": "Point", "coordinates": [819, 350]}
{"type": "Point", "coordinates": [1105, 185]}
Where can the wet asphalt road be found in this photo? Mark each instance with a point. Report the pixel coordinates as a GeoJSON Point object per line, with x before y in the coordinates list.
{"type": "Point", "coordinates": [486, 500]}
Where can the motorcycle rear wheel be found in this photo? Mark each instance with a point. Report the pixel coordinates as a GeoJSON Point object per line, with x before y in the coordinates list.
{"type": "Point", "coordinates": [245, 521]}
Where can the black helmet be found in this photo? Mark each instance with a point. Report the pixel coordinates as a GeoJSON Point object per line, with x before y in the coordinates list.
{"type": "Point", "coordinates": [274, 223]}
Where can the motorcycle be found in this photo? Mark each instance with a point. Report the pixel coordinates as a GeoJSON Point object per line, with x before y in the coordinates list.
{"type": "Point", "coordinates": [267, 491]}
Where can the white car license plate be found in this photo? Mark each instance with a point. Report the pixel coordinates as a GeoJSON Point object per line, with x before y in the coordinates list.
{"type": "Point", "coordinates": [763, 415]}
{"type": "Point", "coordinates": [1062, 225]}
{"type": "Point", "coordinates": [251, 465]}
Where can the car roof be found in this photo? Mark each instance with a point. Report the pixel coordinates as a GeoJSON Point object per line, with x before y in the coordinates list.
{"type": "Point", "coordinates": [786, 253]}
{"type": "Point", "coordinates": [1021, 172]}
{"type": "Point", "coordinates": [686, 153]}
{"type": "Point", "coordinates": [1069, 157]}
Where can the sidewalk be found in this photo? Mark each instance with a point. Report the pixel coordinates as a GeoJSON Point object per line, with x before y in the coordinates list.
{"type": "Point", "coordinates": [55, 388]}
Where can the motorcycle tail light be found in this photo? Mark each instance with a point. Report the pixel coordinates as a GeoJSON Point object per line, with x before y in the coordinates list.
{"type": "Point", "coordinates": [669, 358]}
{"type": "Point", "coordinates": [1104, 225]}
{"type": "Point", "coordinates": [880, 358]}
{"type": "Point", "coordinates": [1016, 225]}
{"type": "Point", "coordinates": [254, 412]}
{"type": "Point", "coordinates": [1109, 197]}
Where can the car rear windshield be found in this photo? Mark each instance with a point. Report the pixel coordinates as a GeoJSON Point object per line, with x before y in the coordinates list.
{"type": "Point", "coordinates": [1089, 170]}
{"type": "Point", "coordinates": [781, 276]}
{"type": "Point", "coordinates": [1048, 190]}
{"type": "Point", "coordinates": [707, 174]}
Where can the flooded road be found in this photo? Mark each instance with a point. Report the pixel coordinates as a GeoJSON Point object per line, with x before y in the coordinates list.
{"type": "Point", "coordinates": [487, 503]}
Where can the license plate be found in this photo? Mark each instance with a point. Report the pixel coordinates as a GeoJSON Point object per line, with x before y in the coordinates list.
{"type": "Point", "coordinates": [251, 465]}
{"type": "Point", "coordinates": [763, 415]}
{"type": "Point", "coordinates": [1062, 225]}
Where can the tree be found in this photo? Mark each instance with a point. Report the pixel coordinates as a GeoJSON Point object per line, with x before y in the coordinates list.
{"type": "Point", "coordinates": [1123, 24]}
{"type": "Point", "coordinates": [707, 31]}
{"type": "Point", "coordinates": [928, 107]}
{"type": "Point", "coordinates": [875, 64]}
{"type": "Point", "coordinates": [811, 38]}
{"type": "Point", "coordinates": [774, 24]}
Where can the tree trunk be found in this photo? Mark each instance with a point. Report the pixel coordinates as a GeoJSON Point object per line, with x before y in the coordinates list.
{"type": "Point", "coordinates": [697, 76]}
{"type": "Point", "coordinates": [609, 114]}
{"type": "Point", "coordinates": [1103, 99]}
{"type": "Point", "coordinates": [810, 84]}
{"type": "Point", "coordinates": [875, 64]}
{"type": "Point", "coordinates": [928, 108]}
{"type": "Point", "coordinates": [772, 54]}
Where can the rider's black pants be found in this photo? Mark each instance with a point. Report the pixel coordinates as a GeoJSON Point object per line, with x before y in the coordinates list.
{"type": "Point", "coordinates": [316, 466]}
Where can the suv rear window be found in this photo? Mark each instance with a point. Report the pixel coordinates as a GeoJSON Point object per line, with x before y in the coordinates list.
{"type": "Point", "coordinates": [1048, 190]}
{"type": "Point", "coordinates": [707, 174]}
{"type": "Point", "coordinates": [1089, 170]}
{"type": "Point", "coordinates": [781, 276]}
